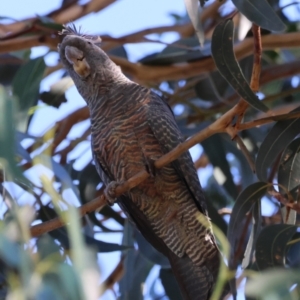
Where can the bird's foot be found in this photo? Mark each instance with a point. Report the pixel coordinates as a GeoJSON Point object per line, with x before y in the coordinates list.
{"type": "Point", "coordinates": [110, 192]}
{"type": "Point", "coordinates": [150, 166]}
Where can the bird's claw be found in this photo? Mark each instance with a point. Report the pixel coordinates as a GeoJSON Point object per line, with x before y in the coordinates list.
{"type": "Point", "coordinates": [110, 192]}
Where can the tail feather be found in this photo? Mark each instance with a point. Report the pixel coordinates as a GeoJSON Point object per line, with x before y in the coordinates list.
{"type": "Point", "coordinates": [196, 282]}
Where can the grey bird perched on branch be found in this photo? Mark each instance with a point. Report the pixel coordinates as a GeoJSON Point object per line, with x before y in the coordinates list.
{"type": "Point", "coordinates": [131, 127]}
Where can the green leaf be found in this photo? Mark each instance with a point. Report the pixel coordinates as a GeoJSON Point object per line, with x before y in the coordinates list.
{"type": "Point", "coordinates": [25, 85]}
{"type": "Point", "coordinates": [10, 253]}
{"type": "Point", "coordinates": [289, 168]}
{"type": "Point", "coordinates": [48, 249]}
{"type": "Point", "coordinates": [7, 137]}
{"type": "Point", "coordinates": [289, 177]}
{"type": "Point", "coordinates": [49, 23]}
{"type": "Point", "coordinates": [211, 88]}
{"type": "Point", "coordinates": [173, 54]}
{"type": "Point", "coordinates": [282, 133]}
{"type": "Point", "coordinates": [223, 55]}
{"type": "Point", "coordinates": [136, 266]}
{"type": "Point", "coordinates": [243, 204]}
{"type": "Point", "coordinates": [273, 284]}
{"type": "Point", "coordinates": [255, 230]}
{"type": "Point", "coordinates": [261, 13]}
{"type": "Point", "coordinates": [271, 245]}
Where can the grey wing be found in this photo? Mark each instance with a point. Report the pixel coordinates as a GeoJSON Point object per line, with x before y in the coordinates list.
{"type": "Point", "coordinates": [163, 125]}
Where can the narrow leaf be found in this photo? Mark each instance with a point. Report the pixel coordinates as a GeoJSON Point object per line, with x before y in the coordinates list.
{"type": "Point", "coordinates": [192, 8]}
{"type": "Point", "coordinates": [272, 284]}
{"type": "Point", "coordinates": [223, 55]}
{"type": "Point", "coordinates": [261, 13]}
{"type": "Point", "coordinates": [282, 133]}
{"type": "Point", "coordinates": [289, 177]}
{"type": "Point", "coordinates": [25, 85]}
{"type": "Point", "coordinates": [255, 230]}
{"type": "Point", "coordinates": [243, 204]}
{"type": "Point", "coordinates": [7, 137]}
{"type": "Point", "coordinates": [272, 244]}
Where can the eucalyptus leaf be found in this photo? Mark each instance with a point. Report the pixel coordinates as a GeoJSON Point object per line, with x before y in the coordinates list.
{"type": "Point", "coordinates": [136, 266]}
{"type": "Point", "coordinates": [272, 244]}
{"type": "Point", "coordinates": [173, 54]}
{"type": "Point", "coordinates": [223, 55]}
{"type": "Point", "coordinates": [25, 85]}
{"type": "Point", "coordinates": [7, 138]}
{"type": "Point", "coordinates": [272, 284]}
{"type": "Point", "coordinates": [289, 177]}
{"type": "Point", "coordinates": [243, 204]}
{"type": "Point", "coordinates": [255, 230]}
{"type": "Point", "coordinates": [192, 7]}
{"type": "Point", "coordinates": [282, 133]}
{"type": "Point", "coordinates": [261, 13]}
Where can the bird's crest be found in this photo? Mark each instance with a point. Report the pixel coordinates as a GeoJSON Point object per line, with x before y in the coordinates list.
{"type": "Point", "coordinates": [71, 29]}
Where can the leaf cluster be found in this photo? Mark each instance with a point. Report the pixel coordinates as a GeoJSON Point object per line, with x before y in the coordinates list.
{"type": "Point", "coordinates": [224, 94]}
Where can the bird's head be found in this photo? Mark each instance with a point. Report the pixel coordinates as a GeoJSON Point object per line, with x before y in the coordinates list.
{"type": "Point", "coordinates": [88, 65]}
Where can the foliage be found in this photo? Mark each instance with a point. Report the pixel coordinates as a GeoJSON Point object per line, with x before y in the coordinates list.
{"type": "Point", "coordinates": [213, 91]}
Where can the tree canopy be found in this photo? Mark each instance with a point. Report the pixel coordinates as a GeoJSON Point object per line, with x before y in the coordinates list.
{"type": "Point", "coordinates": [232, 79]}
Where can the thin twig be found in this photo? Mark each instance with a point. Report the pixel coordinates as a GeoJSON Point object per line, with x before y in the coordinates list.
{"type": "Point", "coordinates": [243, 148]}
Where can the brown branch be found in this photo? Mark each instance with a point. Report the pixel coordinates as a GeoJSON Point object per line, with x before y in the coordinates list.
{"type": "Point", "coordinates": [64, 126]}
{"type": "Point", "coordinates": [114, 277]}
{"type": "Point", "coordinates": [155, 74]}
{"type": "Point", "coordinates": [63, 15]}
{"type": "Point", "coordinates": [254, 83]}
{"type": "Point", "coordinates": [262, 121]}
{"type": "Point", "coordinates": [243, 148]}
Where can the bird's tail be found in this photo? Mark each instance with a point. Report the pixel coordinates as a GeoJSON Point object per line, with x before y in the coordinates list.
{"type": "Point", "coordinates": [196, 282]}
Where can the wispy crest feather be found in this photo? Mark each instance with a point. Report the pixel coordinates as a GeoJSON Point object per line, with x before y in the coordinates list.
{"type": "Point", "coordinates": [71, 29]}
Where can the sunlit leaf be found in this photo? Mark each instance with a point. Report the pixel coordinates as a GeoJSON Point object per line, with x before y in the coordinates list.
{"type": "Point", "coordinates": [222, 52]}
{"type": "Point", "coordinates": [192, 7]}
{"type": "Point", "coordinates": [282, 133]}
{"type": "Point", "coordinates": [272, 284]}
{"type": "Point", "coordinates": [255, 230]}
{"type": "Point", "coordinates": [261, 13]}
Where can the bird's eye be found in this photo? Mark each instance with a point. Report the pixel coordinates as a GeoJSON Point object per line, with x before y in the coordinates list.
{"type": "Point", "coordinates": [89, 43]}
